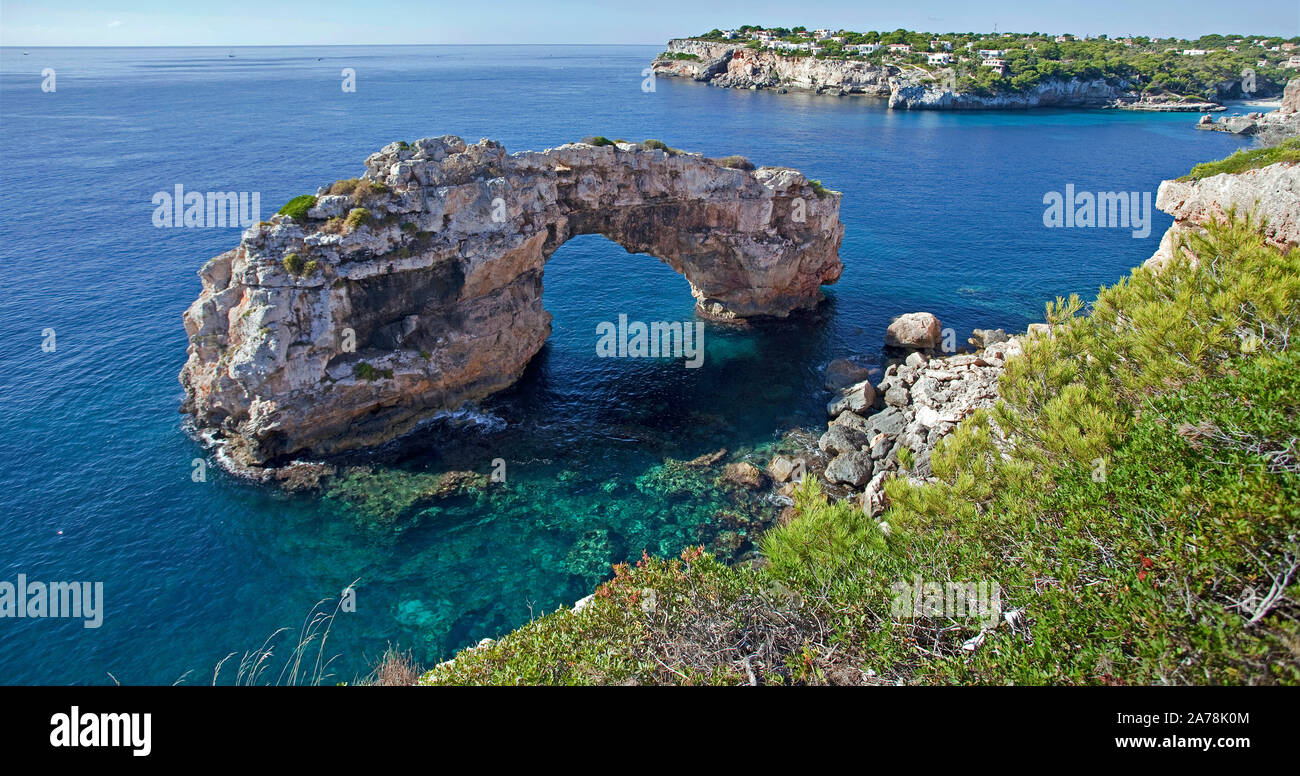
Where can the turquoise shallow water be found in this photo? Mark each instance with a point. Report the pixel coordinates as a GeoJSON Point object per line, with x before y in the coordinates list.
{"type": "Point", "coordinates": [943, 213]}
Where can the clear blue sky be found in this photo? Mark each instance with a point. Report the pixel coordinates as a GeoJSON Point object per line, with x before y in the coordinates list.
{"type": "Point", "coordinates": [290, 22]}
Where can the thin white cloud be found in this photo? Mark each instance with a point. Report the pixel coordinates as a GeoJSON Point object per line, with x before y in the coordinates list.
{"type": "Point", "coordinates": [114, 23]}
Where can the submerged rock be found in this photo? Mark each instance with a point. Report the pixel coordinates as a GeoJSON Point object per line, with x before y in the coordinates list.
{"type": "Point", "coordinates": [743, 474]}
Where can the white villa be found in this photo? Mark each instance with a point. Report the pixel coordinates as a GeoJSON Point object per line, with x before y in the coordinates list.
{"type": "Point", "coordinates": [900, 48]}
{"type": "Point", "coordinates": [991, 53]}
{"type": "Point", "coordinates": [942, 58]}
{"type": "Point", "coordinates": [998, 63]}
{"type": "Point", "coordinates": [864, 48]}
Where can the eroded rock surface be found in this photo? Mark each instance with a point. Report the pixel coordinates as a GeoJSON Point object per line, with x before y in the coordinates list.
{"type": "Point", "coordinates": [1269, 194]}
{"type": "Point", "coordinates": [421, 289]}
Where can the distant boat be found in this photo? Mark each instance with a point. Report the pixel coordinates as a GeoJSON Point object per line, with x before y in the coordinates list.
{"type": "Point", "coordinates": [230, 54]}
{"type": "Point", "coordinates": [25, 53]}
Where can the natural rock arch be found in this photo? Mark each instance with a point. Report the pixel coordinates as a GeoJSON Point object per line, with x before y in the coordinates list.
{"type": "Point", "coordinates": [418, 287]}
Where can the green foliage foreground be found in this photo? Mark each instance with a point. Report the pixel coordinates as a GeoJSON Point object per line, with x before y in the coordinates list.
{"type": "Point", "coordinates": [1248, 159]}
{"type": "Point", "coordinates": [1135, 496]}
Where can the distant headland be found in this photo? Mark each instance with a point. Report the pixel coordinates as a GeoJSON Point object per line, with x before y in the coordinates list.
{"type": "Point", "coordinates": [955, 71]}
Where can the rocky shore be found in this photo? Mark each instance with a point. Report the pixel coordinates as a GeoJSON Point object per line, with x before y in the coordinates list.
{"type": "Point", "coordinates": [1283, 122]}
{"type": "Point", "coordinates": [888, 426]}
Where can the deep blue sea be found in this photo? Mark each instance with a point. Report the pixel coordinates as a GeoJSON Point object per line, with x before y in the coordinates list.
{"type": "Point", "coordinates": [943, 213]}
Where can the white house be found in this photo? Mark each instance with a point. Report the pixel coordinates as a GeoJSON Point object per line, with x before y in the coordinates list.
{"type": "Point", "coordinates": [941, 44]}
{"type": "Point", "coordinates": [900, 48]}
{"type": "Point", "coordinates": [997, 63]}
{"type": "Point", "coordinates": [1293, 63]}
{"type": "Point", "coordinates": [942, 58]}
{"type": "Point", "coordinates": [864, 48]}
{"type": "Point", "coordinates": [1194, 52]}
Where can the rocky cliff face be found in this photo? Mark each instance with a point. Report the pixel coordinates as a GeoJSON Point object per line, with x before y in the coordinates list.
{"type": "Point", "coordinates": [1271, 193]}
{"type": "Point", "coordinates": [906, 86]}
{"type": "Point", "coordinates": [419, 287]}
{"type": "Point", "coordinates": [738, 67]}
{"type": "Point", "coordinates": [1050, 94]}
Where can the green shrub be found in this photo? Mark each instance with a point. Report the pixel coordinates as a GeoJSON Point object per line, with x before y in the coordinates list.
{"type": "Point", "coordinates": [297, 207]}
{"type": "Point", "coordinates": [357, 218]}
{"type": "Point", "coordinates": [1249, 159]}
{"type": "Point", "coordinates": [598, 140]}
{"type": "Point", "coordinates": [659, 145]}
{"type": "Point", "coordinates": [821, 191]}
{"type": "Point", "coordinates": [293, 264]}
{"type": "Point", "coordinates": [734, 163]}
{"type": "Point", "coordinates": [369, 373]}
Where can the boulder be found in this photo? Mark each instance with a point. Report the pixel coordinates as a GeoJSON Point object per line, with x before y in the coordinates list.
{"type": "Point", "coordinates": [857, 399]}
{"type": "Point", "coordinates": [889, 421]}
{"type": "Point", "coordinates": [914, 330]}
{"type": "Point", "coordinates": [851, 469]}
{"type": "Point", "coordinates": [843, 373]}
{"type": "Point", "coordinates": [842, 438]}
{"type": "Point", "coordinates": [982, 338]}
{"type": "Point", "coordinates": [782, 468]}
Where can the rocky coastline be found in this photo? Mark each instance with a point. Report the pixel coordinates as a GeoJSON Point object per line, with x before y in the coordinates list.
{"type": "Point", "coordinates": [906, 87]}
{"type": "Point", "coordinates": [1283, 122]}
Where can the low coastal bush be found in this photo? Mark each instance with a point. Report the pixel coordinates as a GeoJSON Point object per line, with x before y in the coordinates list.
{"type": "Point", "coordinates": [297, 207]}
{"type": "Point", "coordinates": [680, 55]}
{"type": "Point", "coordinates": [821, 191]}
{"type": "Point", "coordinates": [1248, 159]}
{"type": "Point", "coordinates": [659, 145]}
{"type": "Point", "coordinates": [293, 264]}
{"type": "Point", "coordinates": [598, 140]}
{"type": "Point", "coordinates": [359, 189]}
{"type": "Point", "coordinates": [357, 218]}
{"type": "Point", "coordinates": [369, 373]}
{"type": "Point", "coordinates": [734, 162]}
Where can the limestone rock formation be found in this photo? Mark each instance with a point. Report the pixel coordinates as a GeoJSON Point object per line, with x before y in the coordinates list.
{"type": "Point", "coordinates": [418, 287]}
{"type": "Point", "coordinates": [1270, 193]}
{"type": "Point", "coordinates": [738, 67]}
